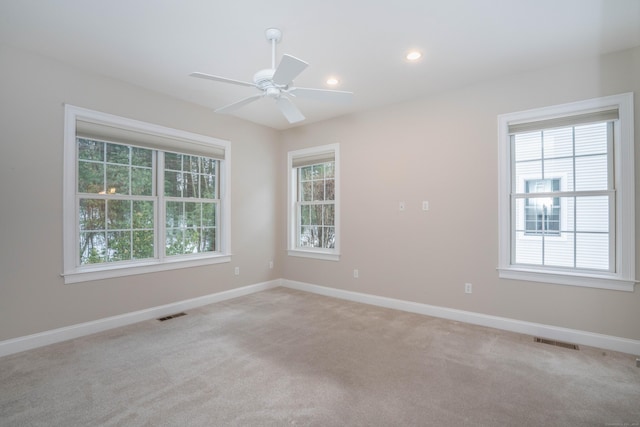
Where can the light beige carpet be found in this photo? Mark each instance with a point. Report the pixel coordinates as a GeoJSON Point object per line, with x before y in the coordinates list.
{"type": "Point", "coordinates": [284, 357]}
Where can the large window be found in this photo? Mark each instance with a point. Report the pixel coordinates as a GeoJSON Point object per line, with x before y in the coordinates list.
{"type": "Point", "coordinates": [567, 194]}
{"type": "Point", "coordinates": [140, 197]}
{"type": "Point", "coordinates": [313, 202]}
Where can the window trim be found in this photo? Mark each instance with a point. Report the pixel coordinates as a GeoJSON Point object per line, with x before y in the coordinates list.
{"type": "Point", "coordinates": [292, 249]}
{"type": "Point", "coordinates": [197, 143]}
{"type": "Point", "coordinates": [623, 278]}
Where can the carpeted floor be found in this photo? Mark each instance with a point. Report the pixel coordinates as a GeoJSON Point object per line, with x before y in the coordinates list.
{"type": "Point", "coordinates": [283, 357]}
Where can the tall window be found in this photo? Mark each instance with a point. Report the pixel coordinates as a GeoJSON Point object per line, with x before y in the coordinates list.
{"type": "Point", "coordinates": [139, 197]}
{"type": "Point", "coordinates": [566, 216]}
{"type": "Point", "coordinates": [313, 202]}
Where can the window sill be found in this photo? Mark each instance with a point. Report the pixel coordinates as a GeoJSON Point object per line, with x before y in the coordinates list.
{"type": "Point", "coordinates": [326, 256]}
{"type": "Point", "coordinates": [87, 274]}
{"type": "Point", "coordinates": [600, 281]}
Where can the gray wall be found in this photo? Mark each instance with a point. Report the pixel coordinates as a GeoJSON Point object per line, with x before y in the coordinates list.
{"type": "Point", "coordinates": [33, 297]}
{"type": "Point", "coordinates": [444, 149]}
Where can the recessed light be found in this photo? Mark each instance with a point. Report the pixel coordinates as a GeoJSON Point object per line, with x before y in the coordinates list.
{"type": "Point", "coordinates": [414, 55]}
{"type": "Point", "coordinates": [332, 81]}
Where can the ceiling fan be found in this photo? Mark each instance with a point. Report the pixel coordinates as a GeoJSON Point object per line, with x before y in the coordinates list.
{"type": "Point", "coordinates": [276, 83]}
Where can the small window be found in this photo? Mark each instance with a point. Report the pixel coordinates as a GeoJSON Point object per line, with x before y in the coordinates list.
{"type": "Point", "coordinates": [140, 197]}
{"type": "Point", "coordinates": [542, 213]}
{"type": "Point", "coordinates": [313, 202]}
{"type": "Point", "coordinates": [567, 194]}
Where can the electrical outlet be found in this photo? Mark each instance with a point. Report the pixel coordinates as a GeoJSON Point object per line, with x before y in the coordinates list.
{"type": "Point", "coordinates": [356, 274]}
{"type": "Point", "coordinates": [270, 264]}
{"type": "Point", "coordinates": [468, 288]}
{"type": "Point", "coordinates": [425, 205]}
{"type": "Point", "coordinates": [401, 206]}
{"type": "Point", "coordinates": [236, 271]}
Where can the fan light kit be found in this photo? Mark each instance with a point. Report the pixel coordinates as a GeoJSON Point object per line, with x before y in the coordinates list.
{"type": "Point", "coordinates": [276, 83]}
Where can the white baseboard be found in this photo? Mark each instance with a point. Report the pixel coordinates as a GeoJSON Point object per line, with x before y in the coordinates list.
{"type": "Point", "coordinates": [28, 342]}
{"type": "Point", "coordinates": [573, 336]}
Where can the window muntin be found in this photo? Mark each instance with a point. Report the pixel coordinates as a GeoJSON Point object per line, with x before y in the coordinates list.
{"type": "Point", "coordinates": [596, 196]}
{"type": "Point", "coordinates": [115, 205]}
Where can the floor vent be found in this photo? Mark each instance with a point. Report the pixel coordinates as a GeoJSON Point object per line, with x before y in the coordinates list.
{"type": "Point", "coordinates": [557, 343]}
{"type": "Point", "coordinates": [171, 316]}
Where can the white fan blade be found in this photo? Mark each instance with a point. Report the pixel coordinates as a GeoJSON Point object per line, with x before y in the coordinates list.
{"type": "Point", "coordinates": [288, 69]}
{"type": "Point", "coordinates": [321, 94]}
{"type": "Point", "coordinates": [238, 104]}
{"type": "Point", "coordinates": [221, 79]}
{"type": "Point", "coordinates": [289, 110]}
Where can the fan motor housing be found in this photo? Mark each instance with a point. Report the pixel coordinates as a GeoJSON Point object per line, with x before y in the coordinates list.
{"type": "Point", "coordinates": [264, 80]}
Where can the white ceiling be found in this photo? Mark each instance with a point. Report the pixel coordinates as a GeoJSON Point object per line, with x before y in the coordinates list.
{"type": "Point", "coordinates": [157, 43]}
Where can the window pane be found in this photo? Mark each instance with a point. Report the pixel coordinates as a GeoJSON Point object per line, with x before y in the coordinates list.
{"type": "Point", "coordinates": [592, 251]}
{"type": "Point", "coordinates": [173, 242]}
{"type": "Point", "coordinates": [118, 214]}
{"type": "Point", "coordinates": [308, 236]}
{"type": "Point", "coordinates": [591, 139]}
{"type": "Point", "coordinates": [190, 185]}
{"type": "Point", "coordinates": [174, 215]}
{"type": "Point", "coordinates": [90, 177]}
{"type": "Point", "coordinates": [528, 249]}
{"type": "Point", "coordinates": [141, 157]}
{"type": "Point", "coordinates": [329, 169]}
{"type": "Point", "coordinates": [142, 214]}
{"type": "Point", "coordinates": [92, 248]}
{"type": "Point", "coordinates": [330, 190]}
{"type": "Point", "coordinates": [208, 186]}
{"type": "Point", "coordinates": [208, 166]}
{"type": "Point", "coordinates": [117, 153]}
{"type": "Point", "coordinates": [306, 173]}
{"type": "Point", "coordinates": [191, 241]}
{"type": "Point", "coordinates": [173, 184]}
{"type": "Point", "coordinates": [117, 179]}
{"type": "Point", "coordinates": [329, 215]}
{"type": "Point", "coordinates": [591, 173]}
{"type": "Point", "coordinates": [192, 212]}
{"type": "Point", "coordinates": [141, 182]}
{"type": "Point", "coordinates": [119, 246]}
{"type": "Point", "coordinates": [561, 169]}
{"type": "Point", "coordinates": [92, 214]}
{"type": "Point", "coordinates": [306, 195]}
{"type": "Point", "coordinates": [173, 161]}
{"type": "Point", "coordinates": [90, 150]}
{"type": "Point", "coordinates": [318, 190]}
{"type": "Point", "coordinates": [208, 214]}
{"type": "Point", "coordinates": [142, 244]}
{"type": "Point", "coordinates": [558, 143]}
{"type": "Point", "coordinates": [318, 171]}
{"type": "Point", "coordinates": [525, 171]}
{"type": "Point", "coordinates": [592, 214]}
{"type": "Point", "coordinates": [528, 146]}
{"type": "Point", "coordinates": [208, 240]}
{"type": "Point", "coordinates": [558, 251]}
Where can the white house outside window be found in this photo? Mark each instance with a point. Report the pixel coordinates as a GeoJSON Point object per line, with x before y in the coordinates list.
{"type": "Point", "coordinates": [313, 212]}
{"type": "Point", "coordinates": [140, 197]}
{"type": "Point", "coordinates": [567, 194]}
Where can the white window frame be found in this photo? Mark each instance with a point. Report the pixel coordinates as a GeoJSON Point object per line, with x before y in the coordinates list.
{"type": "Point", "coordinates": [328, 254]}
{"type": "Point", "coordinates": [622, 277]}
{"type": "Point", "coordinates": [172, 140]}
